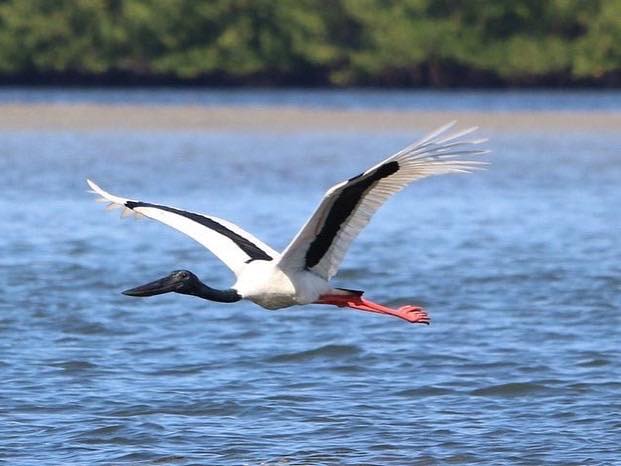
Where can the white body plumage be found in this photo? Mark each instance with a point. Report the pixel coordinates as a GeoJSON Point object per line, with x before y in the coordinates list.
{"type": "Point", "coordinates": [266, 284]}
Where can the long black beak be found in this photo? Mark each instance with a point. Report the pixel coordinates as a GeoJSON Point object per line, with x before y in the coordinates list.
{"type": "Point", "coordinates": [163, 285]}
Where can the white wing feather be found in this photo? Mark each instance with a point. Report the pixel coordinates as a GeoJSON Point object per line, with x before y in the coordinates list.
{"type": "Point", "coordinates": [432, 155]}
{"type": "Point", "coordinates": [222, 246]}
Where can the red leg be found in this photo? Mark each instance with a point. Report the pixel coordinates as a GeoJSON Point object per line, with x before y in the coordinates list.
{"type": "Point", "coordinates": [413, 314]}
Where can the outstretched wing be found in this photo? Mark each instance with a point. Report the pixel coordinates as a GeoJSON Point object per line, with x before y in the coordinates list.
{"type": "Point", "coordinates": [347, 207]}
{"type": "Point", "coordinates": [232, 245]}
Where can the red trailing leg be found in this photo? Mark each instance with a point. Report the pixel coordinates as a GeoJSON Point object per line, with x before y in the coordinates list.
{"type": "Point", "coordinates": [413, 314]}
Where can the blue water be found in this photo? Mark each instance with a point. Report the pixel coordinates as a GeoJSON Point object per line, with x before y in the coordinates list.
{"type": "Point", "coordinates": [519, 267]}
{"type": "Point", "coordinates": [350, 99]}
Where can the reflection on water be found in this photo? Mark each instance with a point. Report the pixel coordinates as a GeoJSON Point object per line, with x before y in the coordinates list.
{"type": "Point", "coordinates": [518, 267]}
{"type": "Point", "coordinates": [355, 99]}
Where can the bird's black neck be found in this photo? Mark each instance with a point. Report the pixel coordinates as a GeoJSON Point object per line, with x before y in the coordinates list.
{"type": "Point", "coordinates": [212, 294]}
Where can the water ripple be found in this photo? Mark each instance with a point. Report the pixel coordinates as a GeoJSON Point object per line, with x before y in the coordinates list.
{"type": "Point", "coordinates": [331, 352]}
{"type": "Point", "coordinates": [425, 391]}
{"type": "Point", "coordinates": [511, 389]}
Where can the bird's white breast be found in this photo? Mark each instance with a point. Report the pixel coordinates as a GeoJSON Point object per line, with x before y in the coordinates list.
{"type": "Point", "coordinates": [265, 284]}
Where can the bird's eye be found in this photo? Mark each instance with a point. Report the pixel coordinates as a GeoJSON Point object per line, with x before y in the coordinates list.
{"type": "Point", "coordinates": [183, 275]}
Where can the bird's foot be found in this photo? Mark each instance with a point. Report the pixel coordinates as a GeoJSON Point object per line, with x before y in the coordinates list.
{"type": "Point", "coordinates": [412, 314]}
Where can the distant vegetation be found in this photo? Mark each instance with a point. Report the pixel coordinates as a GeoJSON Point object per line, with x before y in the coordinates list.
{"type": "Point", "coordinates": [312, 42]}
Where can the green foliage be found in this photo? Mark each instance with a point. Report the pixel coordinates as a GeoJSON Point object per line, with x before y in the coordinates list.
{"type": "Point", "coordinates": [54, 36]}
{"type": "Point", "coordinates": [339, 42]}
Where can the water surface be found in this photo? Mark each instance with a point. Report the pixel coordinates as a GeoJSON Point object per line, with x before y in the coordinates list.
{"type": "Point", "coordinates": [519, 267]}
{"type": "Point", "coordinates": [349, 99]}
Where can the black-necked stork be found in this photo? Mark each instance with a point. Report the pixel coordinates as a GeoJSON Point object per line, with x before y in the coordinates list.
{"type": "Point", "coordinates": [301, 273]}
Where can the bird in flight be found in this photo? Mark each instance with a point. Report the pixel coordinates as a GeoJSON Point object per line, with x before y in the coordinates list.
{"type": "Point", "coordinates": [301, 273]}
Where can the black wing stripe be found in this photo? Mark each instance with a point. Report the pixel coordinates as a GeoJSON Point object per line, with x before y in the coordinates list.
{"type": "Point", "coordinates": [253, 251]}
{"type": "Point", "coordinates": [342, 208]}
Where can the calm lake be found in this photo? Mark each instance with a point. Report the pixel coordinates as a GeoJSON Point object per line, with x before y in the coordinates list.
{"type": "Point", "coordinates": [519, 267]}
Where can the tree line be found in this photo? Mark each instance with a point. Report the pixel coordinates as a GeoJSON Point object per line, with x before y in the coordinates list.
{"type": "Point", "coordinates": [440, 43]}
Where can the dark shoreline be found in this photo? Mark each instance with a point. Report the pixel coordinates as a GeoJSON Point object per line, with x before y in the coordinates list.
{"type": "Point", "coordinates": [464, 80]}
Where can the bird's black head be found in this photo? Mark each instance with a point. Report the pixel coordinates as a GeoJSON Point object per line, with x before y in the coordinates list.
{"type": "Point", "coordinates": [179, 281]}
